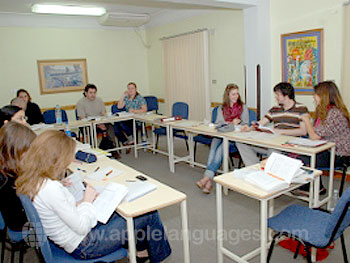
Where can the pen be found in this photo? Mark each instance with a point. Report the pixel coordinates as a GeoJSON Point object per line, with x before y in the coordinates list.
{"type": "Point", "coordinates": [97, 169]}
{"type": "Point", "coordinates": [130, 181]}
{"type": "Point", "coordinates": [111, 171]}
{"type": "Point", "coordinates": [81, 170]}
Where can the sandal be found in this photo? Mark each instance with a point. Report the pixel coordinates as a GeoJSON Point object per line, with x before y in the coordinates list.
{"type": "Point", "coordinates": [201, 183]}
{"type": "Point", "coordinates": [207, 189]}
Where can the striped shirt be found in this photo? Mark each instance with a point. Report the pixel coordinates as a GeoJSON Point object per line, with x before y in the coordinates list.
{"type": "Point", "coordinates": [286, 119]}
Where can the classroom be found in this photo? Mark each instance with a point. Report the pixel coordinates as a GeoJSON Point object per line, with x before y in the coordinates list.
{"type": "Point", "coordinates": [242, 43]}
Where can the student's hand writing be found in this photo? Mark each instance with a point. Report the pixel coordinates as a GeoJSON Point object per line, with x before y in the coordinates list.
{"type": "Point", "coordinates": [66, 182]}
{"type": "Point", "coordinates": [90, 194]}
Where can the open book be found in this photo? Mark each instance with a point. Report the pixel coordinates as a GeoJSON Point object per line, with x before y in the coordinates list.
{"type": "Point", "coordinates": [106, 202]}
{"type": "Point", "coordinates": [280, 170]}
{"type": "Point", "coordinates": [307, 142]}
{"type": "Point", "coordinates": [261, 128]}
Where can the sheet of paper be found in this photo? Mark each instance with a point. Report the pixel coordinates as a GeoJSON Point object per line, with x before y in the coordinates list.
{"type": "Point", "coordinates": [77, 187]}
{"type": "Point", "coordinates": [104, 173]}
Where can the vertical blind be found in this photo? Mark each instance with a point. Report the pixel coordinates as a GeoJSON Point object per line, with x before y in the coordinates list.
{"type": "Point", "coordinates": [186, 73]}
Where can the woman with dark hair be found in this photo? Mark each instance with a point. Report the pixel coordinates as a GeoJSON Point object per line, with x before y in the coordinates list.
{"type": "Point", "coordinates": [233, 111]}
{"type": "Point", "coordinates": [73, 225]}
{"type": "Point", "coordinates": [15, 139]}
{"type": "Point", "coordinates": [12, 113]}
{"type": "Point", "coordinates": [332, 123]}
{"type": "Point", "coordinates": [33, 111]}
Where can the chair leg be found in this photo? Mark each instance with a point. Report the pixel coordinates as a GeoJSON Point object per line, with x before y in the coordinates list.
{"type": "Point", "coordinates": [186, 142]}
{"type": "Point", "coordinates": [240, 162]}
{"type": "Point", "coordinates": [271, 247]}
{"type": "Point", "coordinates": [297, 250]}
{"type": "Point", "coordinates": [13, 249]}
{"type": "Point", "coordinates": [157, 141]}
{"type": "Point", "coordinates": [341, 188]}
{"type": "Point", "coordinates": [308, 253]}
{"type": "Point", "coordinates": [3, 244]}
{"type": "Point", "coordinates": [21, 253]}
{"type": "Point", "coordinates": [194, 151]}
{"type": "Point", "coordinates": [345, 256]}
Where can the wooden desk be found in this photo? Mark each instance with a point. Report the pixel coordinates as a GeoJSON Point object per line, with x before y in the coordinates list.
{"type": "Point", "coordinates": [162, 197]}
{"type": "Point", "coordinates": [266, 210]}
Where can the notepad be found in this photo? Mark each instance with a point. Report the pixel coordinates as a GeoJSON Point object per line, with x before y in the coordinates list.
{"type": "Point", "coordinates": [138, 189]}
{"type": "Point", "coordinates": [307, 142]}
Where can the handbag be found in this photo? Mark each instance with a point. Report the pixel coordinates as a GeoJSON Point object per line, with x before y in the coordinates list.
{"type": "Point", "coordinates": [225, 127]}
{"type": "Point", "coordinates": [85, 157]}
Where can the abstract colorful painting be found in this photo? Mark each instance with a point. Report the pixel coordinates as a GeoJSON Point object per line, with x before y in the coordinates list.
{"type": "Point", "coordinates": [302, 59]}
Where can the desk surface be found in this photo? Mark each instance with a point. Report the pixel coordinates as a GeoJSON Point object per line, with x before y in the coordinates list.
{"type": "Point", "coordinates": [162, 197]}
{"type": "Point", "coordinates": [240, 185]}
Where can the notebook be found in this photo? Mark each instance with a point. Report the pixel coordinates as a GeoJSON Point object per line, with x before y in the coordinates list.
{"type": "Point", "coordinates": [138, 189]}
{"type": "Point", "coordinates": [307, 142]}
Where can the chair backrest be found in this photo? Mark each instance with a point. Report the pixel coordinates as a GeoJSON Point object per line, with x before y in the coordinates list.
{"type": "Point", "coordinates": [50, 117]}
{"type": "Point", "coordinates": [152, 103]}
{"type": "Point", "coordinates": [2, 222]}
{"type": "Point", "coordinates": [180, 109]}
{"type": "Point", "coordinates": [35, 221]}
{"type": "Point", "coordinates": [252, 116]}
{"type": "Point", "coordinates": [115, 109]}
{"type": "Point", "coordinates": [340, 218]}
{"type": "Point", "coordinates": [214, 114]}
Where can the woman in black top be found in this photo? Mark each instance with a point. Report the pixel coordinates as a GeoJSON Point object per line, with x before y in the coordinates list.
{"type": "Point", "coordinates": [33, 111]}
{"type": "Point", "coordinates": [15, 139]}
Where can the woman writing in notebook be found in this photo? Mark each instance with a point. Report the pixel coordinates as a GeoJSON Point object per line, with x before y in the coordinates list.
{"type": "Point", "coordinates": [332, 123]}
{"type": "Point", "coordinates": [73, 225]}
{"type": "Point", "coordinates": [233, 111]}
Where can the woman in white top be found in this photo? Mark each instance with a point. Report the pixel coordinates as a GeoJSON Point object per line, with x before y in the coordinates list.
{"type": "Point", "coordinates": [73, 225]}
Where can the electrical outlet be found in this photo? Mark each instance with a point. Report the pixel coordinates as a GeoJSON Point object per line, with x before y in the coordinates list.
{"type": "Point", "coordinates": [214, 81]}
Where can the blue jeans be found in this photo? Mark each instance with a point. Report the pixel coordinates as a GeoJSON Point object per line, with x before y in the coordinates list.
{"type": "Point", "coordinates": [106, 238]}
{"type": "Point", "coordinates": [122, 127]}
{"type": "Point", "coordinates": [215, 157]}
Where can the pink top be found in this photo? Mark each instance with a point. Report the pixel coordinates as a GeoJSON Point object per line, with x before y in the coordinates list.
{"type": "Point", "coordinates": [231, 113]}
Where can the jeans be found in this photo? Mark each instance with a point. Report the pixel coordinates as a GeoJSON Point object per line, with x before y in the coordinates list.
{"type": "Point", "coordinates": [123, 127]}
{"type": "Point", "coordinates": [106, 238]}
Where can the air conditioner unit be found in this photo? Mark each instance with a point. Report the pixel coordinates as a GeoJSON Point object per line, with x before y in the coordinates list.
{"type": "Point", "coordinates": [124, 19]}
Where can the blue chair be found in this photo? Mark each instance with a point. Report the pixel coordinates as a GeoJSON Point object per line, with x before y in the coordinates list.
{"type": "Point", "coordinates": [152, 103]}
{"type": "Point", "coordinates": [313, 228]}
{"type": "Point", "coordinates": [115, 109]}
{"type": "Point", "coordinates": [178, 109]}
{"type": "Point", "coordinates": [50, 118]}
{"type": "Point", "coordinates": [15, 239]}
{"type": "Point", "coordinates": [52, 253]}
{"type": "Point", "coordinates": [252, 116]}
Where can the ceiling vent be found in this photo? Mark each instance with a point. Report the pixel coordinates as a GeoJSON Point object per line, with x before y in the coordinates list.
{"type": "Point", "coordinates": [124, 19]}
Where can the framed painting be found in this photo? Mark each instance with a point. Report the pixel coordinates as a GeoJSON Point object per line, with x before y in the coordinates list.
{"type": "Point", "coordinates": [302, 59]}
{"type": "Point", "coordinates": [64, 75]}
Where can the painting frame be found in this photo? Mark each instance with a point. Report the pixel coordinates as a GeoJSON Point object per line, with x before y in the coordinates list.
{"type": "Point", "coordinates": [62, 75]}
{"type": "Point", "coordinates": [302, 59]}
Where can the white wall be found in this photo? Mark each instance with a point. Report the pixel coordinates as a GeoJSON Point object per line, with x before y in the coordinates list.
{"type": "Point", "coordinates": [114, 58]}
{"type": "Point", "coordinates": [226, 48]}
{"type": "Point", "coordinates": [299, 15]}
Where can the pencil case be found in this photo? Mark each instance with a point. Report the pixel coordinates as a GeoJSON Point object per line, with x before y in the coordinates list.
{"type": "Point", "coordinates": [85, 157]}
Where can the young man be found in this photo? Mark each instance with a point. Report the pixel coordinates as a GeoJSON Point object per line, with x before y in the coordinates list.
{"type": "Point", "coordinates": [286, 119]}
{"type": "Point", "coordinates": [91, 105]}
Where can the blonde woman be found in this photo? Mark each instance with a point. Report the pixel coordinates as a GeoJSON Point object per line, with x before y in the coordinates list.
{"type": "Point", "coordinates": [73, 225]}
{"type": "Point", "coordinates": [233, 111]}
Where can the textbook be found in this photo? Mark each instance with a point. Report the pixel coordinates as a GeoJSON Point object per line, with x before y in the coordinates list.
{"type": "Point", "coordinates": [307, 142]}
{"type": "Point", "coordinates": [262, 128]}
{"type": "Point", "coordinates": [138, 189]}
{"type": "Point", "coordinates": [279, 172]}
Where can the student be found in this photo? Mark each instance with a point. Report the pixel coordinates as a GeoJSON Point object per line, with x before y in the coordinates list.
{"type": "Point", "coordinates": [73, 225]}
{"type": "Point", "coordinates": [286, 119]}
{"type": "Point", "coordinates": [12, 113]}
{"type": "Point", "coordinates": [332, 123]}
{"type": "Point", "coordinates": [15, 139]}
{"type": "Point", "coordinates": [233, 111]}
{"type": "Point", "coordinates": [32, 109]}
{"type": "Point", "coordinates": [135, 103]}
{"type": "Point", "coordinates": [91, 105]}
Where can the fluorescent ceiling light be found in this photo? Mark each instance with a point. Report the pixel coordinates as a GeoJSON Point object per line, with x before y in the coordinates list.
{"type": "Point", "coordinates": [68, 10]}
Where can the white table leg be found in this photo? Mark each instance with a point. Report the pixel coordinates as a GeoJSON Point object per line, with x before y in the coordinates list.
{"type": "Point", "coordinates": [271, 213]}
{"type": "Point", "coordinates": [331, 177]}
{"type": "Point", "coordinates": [316, 188]}
{"type": "Point", "coordinates": [263, 230]}
{"type": "Point", "coordinates": [170, 139]}
{"type": "Point", "coordinates": [94, 131]}
{"type": "Point", "coordinates": [134, 133]}
{"type": "Point", "coordinates": [220, 223]}
{"type": "Point", "coordinates": [153, 140]}
{"type": "Point", "coordinates": [131, 240]}
{"type": "Point", "coordinates": [191, 148]}
{"type": "Point", "coordinates": [225, 146]}
{"type": "Point", "coordinates": [185, 238]}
